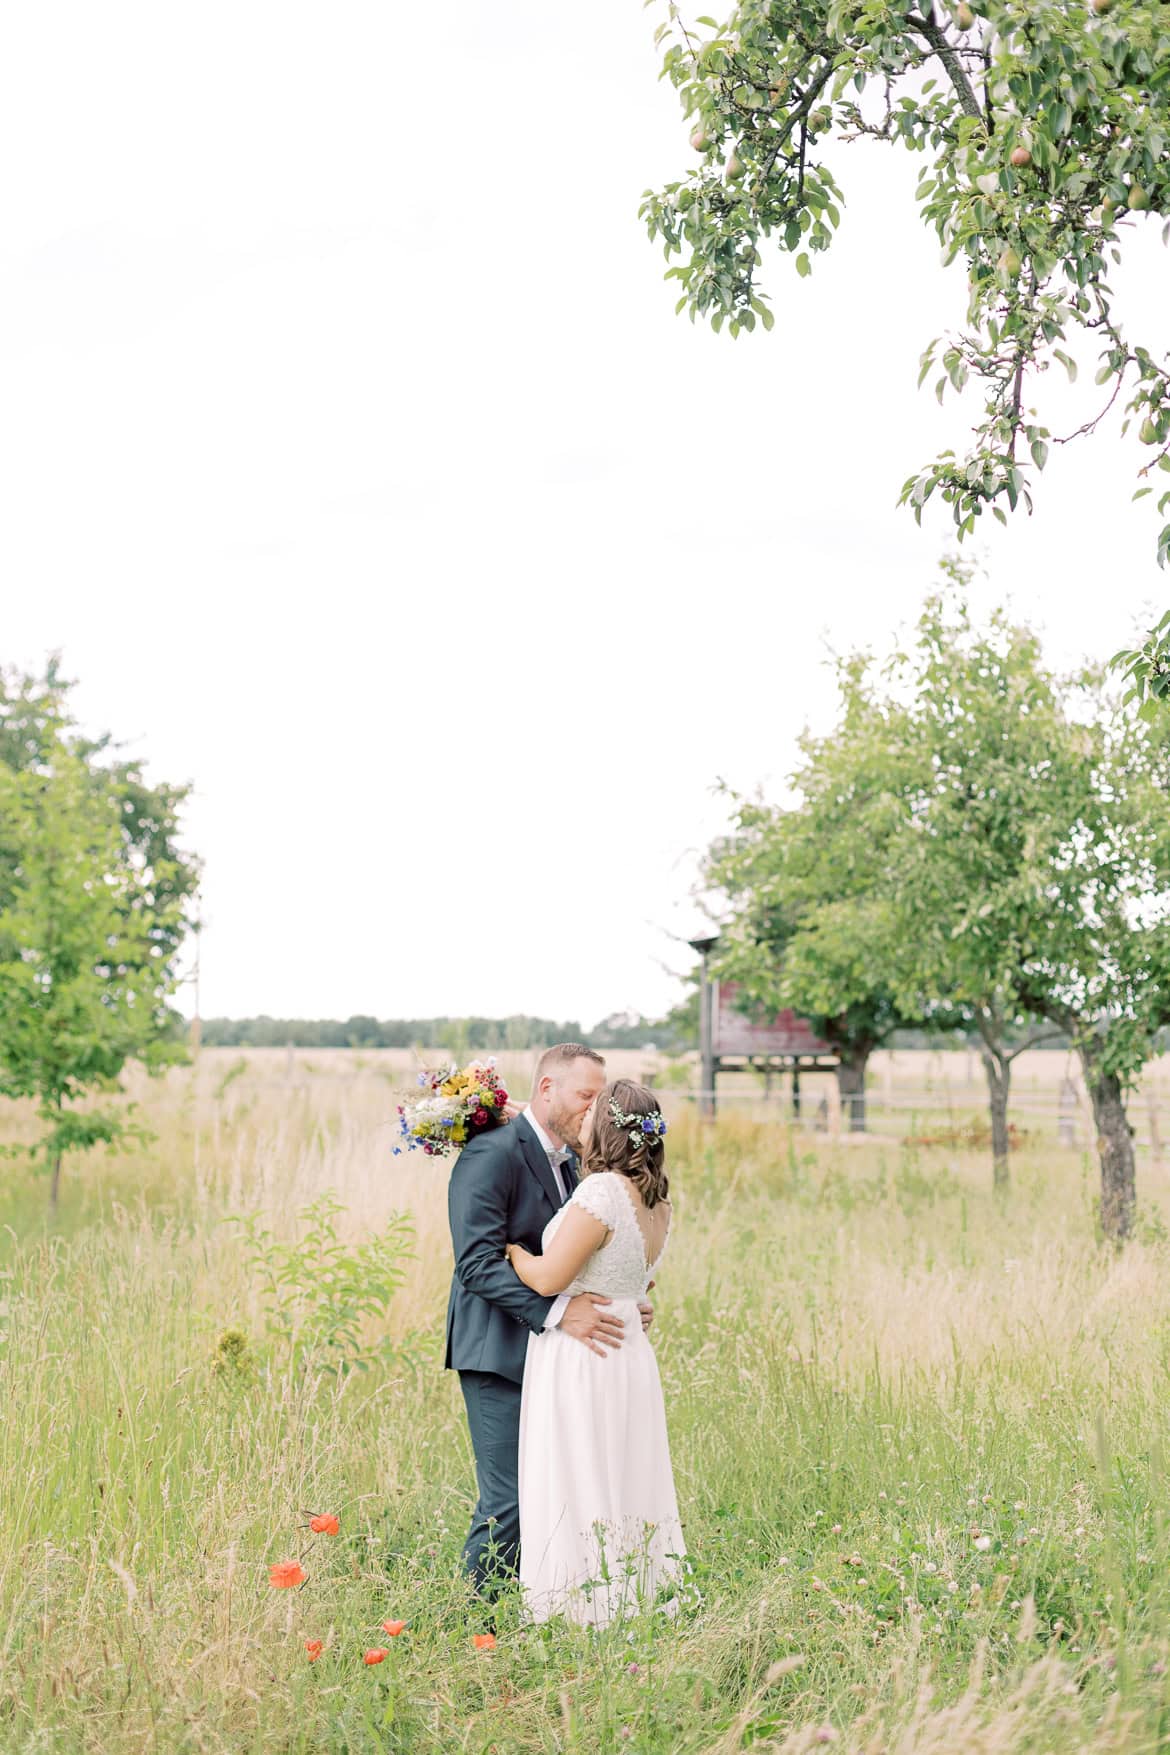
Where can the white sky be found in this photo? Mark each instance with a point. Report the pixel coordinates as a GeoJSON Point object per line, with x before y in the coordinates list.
{"type": "Point", "coordinates": [354, 458]}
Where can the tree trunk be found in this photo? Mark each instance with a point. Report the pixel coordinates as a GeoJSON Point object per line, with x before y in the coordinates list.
{"type": "Point", "coordinates": [851, 1086]}
{"type": "Point", "coordinates": [1114, 1147]}
{"type": "Point", "coordinates": [999, 1081]}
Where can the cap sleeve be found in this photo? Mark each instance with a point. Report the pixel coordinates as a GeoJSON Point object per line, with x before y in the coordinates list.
{"type": "Point", "coordinates": [596, 1194]}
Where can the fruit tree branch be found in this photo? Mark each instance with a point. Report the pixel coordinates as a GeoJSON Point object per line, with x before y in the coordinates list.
{"type": "Point", "coordinates": [930, 30]}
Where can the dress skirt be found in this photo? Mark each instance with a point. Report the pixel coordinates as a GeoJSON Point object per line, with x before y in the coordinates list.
{"type": "Point", "coordinates": [600, 1536]}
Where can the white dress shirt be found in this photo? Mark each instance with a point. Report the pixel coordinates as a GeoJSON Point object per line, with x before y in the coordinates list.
{"type": "Point", "coordinates": [556, 1156]}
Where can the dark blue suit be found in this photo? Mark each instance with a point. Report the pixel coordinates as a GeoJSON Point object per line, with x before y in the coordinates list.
{"type": "Point", "coordinates": [502, 1190]}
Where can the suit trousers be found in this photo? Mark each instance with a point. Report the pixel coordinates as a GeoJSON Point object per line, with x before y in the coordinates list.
{"type": "Point", "coordinates": [492, 1549]}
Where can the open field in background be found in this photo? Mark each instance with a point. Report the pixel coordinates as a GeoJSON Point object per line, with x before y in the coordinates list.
{"type": "Point", "coordinates": [919, 1434]}
{"type": "Point", "coordinates": [925, 1094]}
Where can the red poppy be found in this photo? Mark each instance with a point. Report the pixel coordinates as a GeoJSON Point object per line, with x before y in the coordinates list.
{"type": "Point", "coordinates": [484, 1641]}
{"type": "Point", "coordinates": [285, 1574]}
{"type": "Point", "coordinates": [375, 1655]}
{"type": "Point", "coordinates": [393, 1628]}
{"type": "Point", "coordinates": [324, 1524]}
{"type": "Point", "coordinates": [314, 1647]}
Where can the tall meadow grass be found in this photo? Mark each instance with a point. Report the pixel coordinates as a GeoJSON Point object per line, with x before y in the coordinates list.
{"type": "Point", "coordinates": [919, 1434]}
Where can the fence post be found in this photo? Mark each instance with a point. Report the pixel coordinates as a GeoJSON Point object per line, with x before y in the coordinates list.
{"type": "Point", "coordinates": [1067, 1121]}
{"type": "Point", "coordinates": [833, 1100]}
{"type": "Point", "coordinates": [1155, 1130]}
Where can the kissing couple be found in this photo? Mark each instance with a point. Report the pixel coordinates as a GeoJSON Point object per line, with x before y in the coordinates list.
{"type": "Point", "coordinates": [558, 1222]}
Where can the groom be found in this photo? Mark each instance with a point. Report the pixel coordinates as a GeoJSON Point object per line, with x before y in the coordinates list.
{"type": "Point", "coordinates": [505, 1187]}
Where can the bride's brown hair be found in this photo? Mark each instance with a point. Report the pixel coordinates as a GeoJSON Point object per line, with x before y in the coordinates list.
{"type": "Point", "coordinates": [641, 1157]}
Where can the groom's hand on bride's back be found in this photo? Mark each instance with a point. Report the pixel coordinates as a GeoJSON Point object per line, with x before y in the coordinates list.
{"type": "Point", "coordinates": [587, 1319]}
{"type": "Point", "coordinates": [646, 1311]}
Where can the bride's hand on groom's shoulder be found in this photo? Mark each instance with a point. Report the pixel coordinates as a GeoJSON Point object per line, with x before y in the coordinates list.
{"type": "Point", "coordinates": [510, 1111]}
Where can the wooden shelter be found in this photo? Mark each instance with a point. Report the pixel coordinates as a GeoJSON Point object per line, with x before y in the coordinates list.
{"type": "Point", "coordinates": [733, 1039]}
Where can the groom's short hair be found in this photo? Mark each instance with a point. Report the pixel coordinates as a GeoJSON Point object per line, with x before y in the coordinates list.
{"type": "Point", "coordinates": [556, 1058]}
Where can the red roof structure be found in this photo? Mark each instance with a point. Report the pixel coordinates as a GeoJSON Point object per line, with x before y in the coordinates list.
{"type": "Point", "coordinates": [738, 1033]}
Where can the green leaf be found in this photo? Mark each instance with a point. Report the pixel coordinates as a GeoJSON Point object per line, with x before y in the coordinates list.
{"type": "Point", "coordinates": [803, 265]}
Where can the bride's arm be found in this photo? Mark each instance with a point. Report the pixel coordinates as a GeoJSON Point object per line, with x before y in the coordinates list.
{"type": "Point", "coordinates": [579, 1236]}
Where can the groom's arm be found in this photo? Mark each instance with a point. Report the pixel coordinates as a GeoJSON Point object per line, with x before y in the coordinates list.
{"type": "Point", "coordinates": [477, 1203]}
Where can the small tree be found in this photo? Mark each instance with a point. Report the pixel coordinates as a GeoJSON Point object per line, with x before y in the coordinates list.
{"type": "Point", "coordinates": [93, 891]}
{"type": "Point", "coordinates": [1096, 961]}
{"type": "Point", "coordinates": [993, 740]}
{"type": "Point", "coordinates": [978, 841]}
{"type": "Point", "coordinates": [1044, 130]}
{"type": "Point", "coordinates": [808, 927]}
{"type": "Point", "coordinates": [1029, 881]}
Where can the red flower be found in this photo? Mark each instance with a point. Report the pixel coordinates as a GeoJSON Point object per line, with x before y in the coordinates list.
{"type": "Point", "coordinates": [314, 1647]}
{"type": "Point", "coordinates": [324, 1524]}
{"type": "Point", "coordinates": [480, 1118]}
{"type": "Point", "coordinates": [285, 1574]}
{"type": "Point", "coordinates": [375, 1655]}
{"type": "Point", "coordinates": [501, 1096]}
{"type": "Point", "coordinates": [484, 1641]}
{"type": "Point", "coordinates": [393, 1628]}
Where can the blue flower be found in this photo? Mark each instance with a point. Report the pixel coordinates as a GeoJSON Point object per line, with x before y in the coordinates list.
{"type": "Point", "coordinates": [648, 1124]}
{"type": "Point", "coordinates": [398, 1151]}
{"type": "Point", "coordinates": [422, 1079]}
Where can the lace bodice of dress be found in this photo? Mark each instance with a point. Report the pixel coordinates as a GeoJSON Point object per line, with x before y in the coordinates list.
{"type": "Point", "coordinates": [618, 1269]}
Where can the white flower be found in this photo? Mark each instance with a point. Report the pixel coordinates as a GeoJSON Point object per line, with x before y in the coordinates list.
{"type": "Point", "coordinates": [983, 1543]}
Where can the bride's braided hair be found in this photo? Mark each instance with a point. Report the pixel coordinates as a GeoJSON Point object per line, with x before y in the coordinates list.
{"type": "Point", "coordinates": [615, 1145]}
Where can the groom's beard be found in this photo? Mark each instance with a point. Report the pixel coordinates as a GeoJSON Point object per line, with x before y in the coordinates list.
{"type": "Point", "coordinates": [567, 1128]}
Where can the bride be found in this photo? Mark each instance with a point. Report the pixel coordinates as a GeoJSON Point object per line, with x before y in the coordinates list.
{"type": "Point", "coordinates": [599, 1528]}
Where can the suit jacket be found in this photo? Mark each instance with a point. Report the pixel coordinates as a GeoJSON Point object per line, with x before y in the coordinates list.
{"type": "Point", "coordinates": [502, 1190]}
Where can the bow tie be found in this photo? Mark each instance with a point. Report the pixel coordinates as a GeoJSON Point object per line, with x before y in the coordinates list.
{"type": "Point", "coordinates": [560, 1156]}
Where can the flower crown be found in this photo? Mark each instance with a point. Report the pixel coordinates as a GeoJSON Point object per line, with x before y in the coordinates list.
{"type": "Point", "coordinates": [639, 1126]}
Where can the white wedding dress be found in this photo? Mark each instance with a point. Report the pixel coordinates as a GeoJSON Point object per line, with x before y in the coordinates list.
{"type": "Point", "coordinates": [599, 1530]}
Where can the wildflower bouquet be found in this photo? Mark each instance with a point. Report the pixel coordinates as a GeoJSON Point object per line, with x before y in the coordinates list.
{"type": "Point", "coordinates": [452, 1107]}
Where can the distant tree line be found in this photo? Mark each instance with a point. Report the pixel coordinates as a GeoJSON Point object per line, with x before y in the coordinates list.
{"type": "Point", "coordinates": [455, 1035]}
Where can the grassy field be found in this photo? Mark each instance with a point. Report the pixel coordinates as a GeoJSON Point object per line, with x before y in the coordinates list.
{"type": "Point", "coordinates": [919, 1440]}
